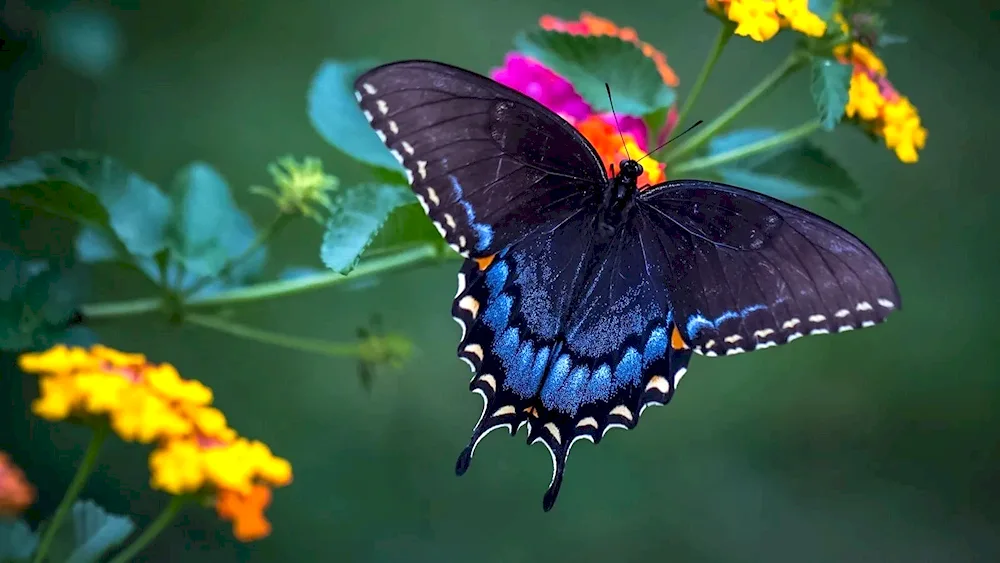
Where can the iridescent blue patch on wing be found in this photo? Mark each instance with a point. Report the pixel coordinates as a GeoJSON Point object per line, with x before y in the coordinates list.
{"type": "Point", "coordinates": [506, 345]}
{"type": "Point", "coordinates": [656, 346]}
{"type": "Point", "coordinates": [521, 378]}
{"type": "Point", "coordinates": [497, 313]}
{"type": "Point", "coordinates": [556, 376]}
{"type": "Point", "coordinates": [538, 368]}
{"type": "Point", "coordinates": [485, 232]}
{"type": "Point", "coordinates": [698, 321]}
{"type": "Point", "coordinates": [496, 276]}
{"type": "Point", "coordinates": [570, 396]}
{"type": "Point", "coordinates": [599, 386]}
{"type": "Point", "coordinates": [629, 370]}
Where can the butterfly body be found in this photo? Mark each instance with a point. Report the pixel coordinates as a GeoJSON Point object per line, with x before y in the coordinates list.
{"type": "Point", "coordinates": [583, 297]}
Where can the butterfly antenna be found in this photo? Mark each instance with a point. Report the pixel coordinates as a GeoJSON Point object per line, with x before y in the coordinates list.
{"type": "Point", "coordinates": [617, 126]}
{"type": "Point", "coordinates": [674, 138]}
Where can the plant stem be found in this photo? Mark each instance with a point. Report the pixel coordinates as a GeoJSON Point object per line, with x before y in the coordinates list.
{"type": "Point", "coordinates": [268, 290]}
{"type": "Point", "coordinates": [725, 34]}
{"type": "Point", "coordinates": [784, 138]}
{"type": "Point", "coordinates": [790, 64]}
{"type": "Point", "coordinates": [262, 238]}
{"type": "Point", "coordinates": [149, 534]}
{"type": "Point", "coordinates": [335, 349]}
{"type": "Point", "coordinates": [100, 432]}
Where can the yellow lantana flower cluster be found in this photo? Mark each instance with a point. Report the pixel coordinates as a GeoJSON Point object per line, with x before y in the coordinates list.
{"type": "Point", "coordinates": [876, 105]}
{"type": "Point", "coordinates": [196, 450]}
{"type": "Point", "coordinates": [761, 20]}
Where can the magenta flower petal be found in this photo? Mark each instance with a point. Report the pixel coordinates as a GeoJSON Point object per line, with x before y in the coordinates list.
{"type": "Point", "coordinates": [541, 84]}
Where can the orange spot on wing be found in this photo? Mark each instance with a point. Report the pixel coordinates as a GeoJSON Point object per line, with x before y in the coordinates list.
{"type": "Point", "coordinates": [485, 262]}
{"type": "Point", "coordinates": [532, 411]}
{"type": "Point", "coordinates": [676, 342]}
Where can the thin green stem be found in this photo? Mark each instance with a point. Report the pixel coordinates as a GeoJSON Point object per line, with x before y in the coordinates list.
{"type": "Point", "coordinates": [335, 349]}
{"type": "Point", "coordinates": [739, 153]}
{"type": "Point", "coordinates": [269, 290]}
{"type": "Point", "coordinates": [790, 64]}
{"type": "Point", "coordinates": [262, 238]}
{"type": "Point", "coordinates": [725, 34]}
{"type": "Point", "coordinates": [75, 486]}
{"type": "Point", "coordinates": [149, 534]}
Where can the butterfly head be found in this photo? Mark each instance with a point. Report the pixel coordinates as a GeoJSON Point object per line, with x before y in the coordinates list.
{"type": "Point", "coordinates": [629, 171]}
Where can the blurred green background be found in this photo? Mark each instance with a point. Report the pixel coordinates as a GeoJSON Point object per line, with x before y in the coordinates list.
{"type": "Point", "coordinates": [875, 445]}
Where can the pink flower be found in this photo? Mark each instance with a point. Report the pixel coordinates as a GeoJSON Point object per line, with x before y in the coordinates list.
{"type": "Point", "coordinates": [546, 87]}
{"type": "Point", "coordinates": [542, 85]}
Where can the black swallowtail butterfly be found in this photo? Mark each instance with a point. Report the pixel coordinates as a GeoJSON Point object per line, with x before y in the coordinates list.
{"type": "Point", "coordinates": [582, 298]}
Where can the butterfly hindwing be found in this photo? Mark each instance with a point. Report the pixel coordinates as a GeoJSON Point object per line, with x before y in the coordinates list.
{"type": "Point", "coordinates": [567, 335]}
{"type": "Point", "coordinates": [747, 271]}
{"type": "Point", "coordinates": [487, 163]}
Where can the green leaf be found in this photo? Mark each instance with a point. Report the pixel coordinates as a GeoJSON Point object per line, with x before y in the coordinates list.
{"type": "Point", "coordinates": [385, 176]}
{"type": "Point", "coordinates": [825, 9]}
{"type": "Point", "coordinates": [96, 532]}
{"type": "Point", "coordinates": [407, 225]}
{"type": "Point", "coordinates": [831, 82]}
{"type": "Point", "coordinates": [889, 39]}
{"type": "Point", "coordinates": [795, 171]}
{"type": "Point", "coordinates": [17, 541]}
{"type": "Point", "coordinates": [591, 61]}
{"type": "Point", "coordinates": [38, 299]}
{"type": "Point", "coordinates": [50, 183]}
{"type": "Point", "coordinates": [94, 190]}
{"type": "Point", "coordinates": [334, 113]}
{"type": "Point", "coordinates": [208, 229]}
{"type": "Point", "coordinates": [355, 219]}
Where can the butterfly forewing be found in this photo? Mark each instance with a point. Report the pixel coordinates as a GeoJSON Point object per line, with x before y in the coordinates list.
{"type": "Point", "coordinates": [749, 272]}
{"type": "Point", "coordinates": [487, 164]}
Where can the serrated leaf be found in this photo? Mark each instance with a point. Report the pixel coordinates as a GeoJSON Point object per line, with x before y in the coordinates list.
{"type": "Point", "coordinates": [38, 299]}
{"type": "Point", "coordinates": [406, 225]}
{"type": "Point", "coordinates": [96, 532]}
{"type": "Point", "coordinates": [208, 229]}
{"type": "Point", "coordinates": [795, 171]}
{"type": "Point", "coordinates": [96, 191]}
{"type": "Point", "coordinates": [17, 541]}
{"type": "Point", "coordinates": [355, 219]}
{"type": "Point", "coordinates": [831, 83]}
{"type": "Point", "coordinates": [334, 113]}
{"type": "Point", "coordinates": [591, 61]}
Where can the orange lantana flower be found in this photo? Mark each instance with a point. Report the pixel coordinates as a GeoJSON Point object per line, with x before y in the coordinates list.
{"type": "Point", "coordinates": [245, 511]}
{"type": "Point", "coordinates": [590, 24]}
{"type": "Point", "coordinates": [608, 143]}
{"type": "Point", "coordinates": [16, 493]}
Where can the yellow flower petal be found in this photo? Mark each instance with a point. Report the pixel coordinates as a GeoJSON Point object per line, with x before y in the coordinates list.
{"type": "Point", "coordinates": [116, 358]}
{"type": "Point", "coordinates": [177, 467]}
{"type": "Point", "coordinates": [144, 417]}
{"type": "Point", "coordinates": [58, 359]}
{"type": "Point", "coordinates": [165, 380]}
{"type": "Point", "coordinates": [58, 396]}
{"type": "Point", "coordinates": [101, 391]}
{"type": "Point", "coordinates": [757, 19]}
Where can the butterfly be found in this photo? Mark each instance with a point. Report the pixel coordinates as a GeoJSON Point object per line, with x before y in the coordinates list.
{"type": "Point", "coordinates": [582, 297]}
